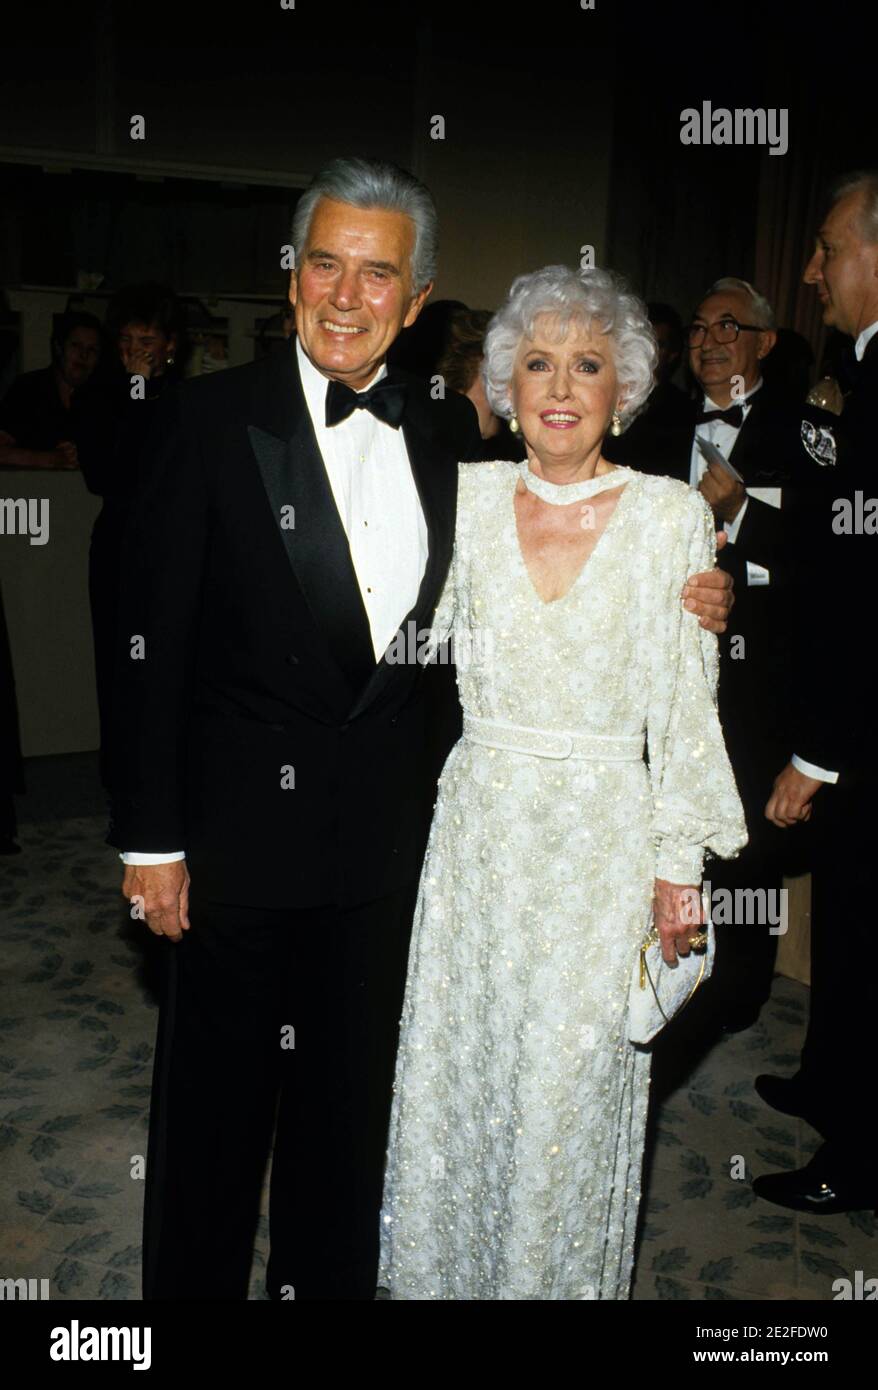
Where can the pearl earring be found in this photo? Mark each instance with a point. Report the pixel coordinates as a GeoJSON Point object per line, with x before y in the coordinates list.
{"type": "Point", "coordinates": [616, 427]}
{"type": "Point", "coordinates": [514, 425]}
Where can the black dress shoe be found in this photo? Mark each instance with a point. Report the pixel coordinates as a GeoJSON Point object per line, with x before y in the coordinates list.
{"type": "Point", "coordinates": [812, 1189]}
{"type": "Point", "coordinates": [785, 1094]}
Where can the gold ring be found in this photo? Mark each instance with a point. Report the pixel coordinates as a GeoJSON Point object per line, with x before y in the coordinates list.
{"type": "Point", "coordinates": [699, 939]}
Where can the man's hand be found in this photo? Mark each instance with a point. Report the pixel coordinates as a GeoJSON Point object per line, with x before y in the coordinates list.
{"type": "Point", "coordinates": [678, 913]}
{"type": "Point", "coordinates": [711, 595]}
{"type": "Point", "coordinates": [66, 455]}
{"type": "Point", "coordinates": [790, 801]}
{"type": "Point", "coordinates": [725, 495]}
{"type": "Point", "coordinates": [163, 894]}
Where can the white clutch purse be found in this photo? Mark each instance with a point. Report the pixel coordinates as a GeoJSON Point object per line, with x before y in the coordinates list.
{"type": "Point", "coordinates": [658, 990]}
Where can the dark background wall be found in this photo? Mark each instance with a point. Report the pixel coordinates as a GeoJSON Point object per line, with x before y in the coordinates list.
{"type": "Point", "coordinates": [562, 129]}
{"type": "Point", "coordinates": [255, 99]}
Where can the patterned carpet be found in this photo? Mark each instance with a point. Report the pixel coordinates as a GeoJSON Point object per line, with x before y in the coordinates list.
{"type": "Point", "coordinates": [76, 1045]}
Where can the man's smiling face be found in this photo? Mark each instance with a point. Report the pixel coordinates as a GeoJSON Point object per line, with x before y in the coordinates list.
{"type": "Point", "coordinates": [715, 365]}
{"type": "Point", "coordinates": [352, 290]}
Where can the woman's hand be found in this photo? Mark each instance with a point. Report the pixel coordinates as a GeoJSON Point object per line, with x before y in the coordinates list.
{"type": "Point", "coordinates": [138, 361]}
{"type": "Point", "coordinates": [679, 914]}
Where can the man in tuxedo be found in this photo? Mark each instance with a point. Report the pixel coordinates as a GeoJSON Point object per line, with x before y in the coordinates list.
{"type": "Point", "coordinates": [836, 751]}
{"type": "Point", "coordinates": [731, 333]}
{"type": "Point", "coordinates": [293, 515]}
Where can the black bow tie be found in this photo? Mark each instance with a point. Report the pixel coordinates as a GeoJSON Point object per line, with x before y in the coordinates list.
{"type": "Point", "coordinates": [386, 401]}
{"type": "Point", "coordinates": [733, 416]}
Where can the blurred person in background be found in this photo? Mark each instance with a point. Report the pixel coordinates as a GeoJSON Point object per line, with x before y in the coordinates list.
{"type": "Point", "coordinates": [11, 767]}
{"type": "Point", "coordinates": [419, 348]}
{"type": "Point", "coordinates": [460, 366]}
{"type": "Point", "coordinates": [145, 327]}
{"type": "Point", "coordinates": [276, 331]}
{"type": "Point", "coordinates": [668, 404]}
{"type": "Point", "coordinates": [669, 409]}
{"type": "Point", "coordinates": [37, 431]}
{"type": "Point", "coordinates": [37, 418]}
{"type": "Point", "coordinates": [787, 369]}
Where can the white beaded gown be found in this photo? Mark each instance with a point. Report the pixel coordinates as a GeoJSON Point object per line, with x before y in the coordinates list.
{"type": "Point", "coordinates": [519, 1108]}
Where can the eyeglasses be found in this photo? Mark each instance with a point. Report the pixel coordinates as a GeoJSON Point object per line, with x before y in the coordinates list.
{"type": "Point", "coordinates": [724, 331]}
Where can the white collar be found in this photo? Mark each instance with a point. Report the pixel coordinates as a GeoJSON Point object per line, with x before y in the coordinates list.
{"type": "Point", "coordinates": [860, 344]}
{"type": "Point", "coordinates": [746, 399]}
{"type": "Point", "coordinates": [314, 383]}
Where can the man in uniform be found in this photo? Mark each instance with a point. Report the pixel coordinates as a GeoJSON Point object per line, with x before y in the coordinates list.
{"type": "Point", "coordinates": [836, 747]}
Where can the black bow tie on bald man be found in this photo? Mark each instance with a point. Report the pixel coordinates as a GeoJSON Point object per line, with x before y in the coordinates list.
{"type": "Point", "coordinates": [386, 401]}
{"type": "Point", "coordinates": [733, 416]}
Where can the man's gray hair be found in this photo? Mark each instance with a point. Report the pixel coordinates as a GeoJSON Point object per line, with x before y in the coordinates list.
{"type": "Point", "coordinates": [587, 298]}
{"type": "Point", "coordinates": [761, 311]}
{"type": "Point", "coordinates": [373, 183]}
{"type": "Point", "coordinates": [863, 181]}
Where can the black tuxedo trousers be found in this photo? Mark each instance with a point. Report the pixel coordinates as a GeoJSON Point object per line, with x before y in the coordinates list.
{"type": "Point", "coordinates": [836, 1070]}
{"type": "Point", "coordinates": [228, 1068]}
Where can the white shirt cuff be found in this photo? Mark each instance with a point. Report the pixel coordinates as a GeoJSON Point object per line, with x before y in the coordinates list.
{"type": "Point", "coordinates": [811, 770]}
{"type": "Point", "coordinates": [136, 857]}
{"type": "Point", "coordinates": [732, 528]}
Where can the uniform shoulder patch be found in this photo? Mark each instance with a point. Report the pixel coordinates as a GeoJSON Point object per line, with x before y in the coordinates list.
{"type": "Point", "coordinates": [820, 443]}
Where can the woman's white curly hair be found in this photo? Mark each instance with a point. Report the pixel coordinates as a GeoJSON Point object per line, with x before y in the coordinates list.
{"type": "Point", "coordinates": [593, 298]}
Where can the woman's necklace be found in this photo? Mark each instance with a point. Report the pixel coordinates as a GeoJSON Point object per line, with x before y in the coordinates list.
{"type": "Point", "coordinates": [562, 494]}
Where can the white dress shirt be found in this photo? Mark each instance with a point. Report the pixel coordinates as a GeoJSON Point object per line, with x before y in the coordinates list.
{"type": "Point", "coordinates": [865, 336]}
{"type": "Point", "coordinates": [368, 467]}
{"type": "Point", "coordinates": [371, 479]}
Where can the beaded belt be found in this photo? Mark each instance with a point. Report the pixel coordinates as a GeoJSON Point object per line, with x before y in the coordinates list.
{"type": "Point", "coordinates": [552, 743]}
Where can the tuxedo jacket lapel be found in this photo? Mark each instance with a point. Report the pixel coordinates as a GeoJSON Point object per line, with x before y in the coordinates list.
{"type": "Point", "coordinates": [758, 451]}
{"type": "Point", "coordinates": [744, 453]}
{"type": "Point", "coordinates": [310, 528]}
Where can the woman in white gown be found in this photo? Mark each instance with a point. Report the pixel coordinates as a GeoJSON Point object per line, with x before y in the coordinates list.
{"type": "Point", "coordinates": [517, 1130]}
